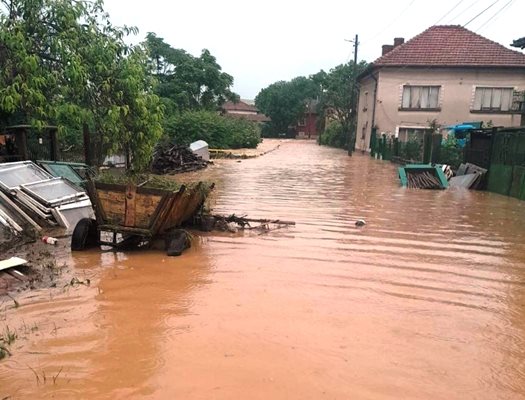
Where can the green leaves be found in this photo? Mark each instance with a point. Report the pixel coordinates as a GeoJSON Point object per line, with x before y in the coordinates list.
{"type": "Point", "coordinates": [284, 102]}
{"type": "Point", "coordinates": [62, 62]}
{"type": "Point", "coordinates": [190, 83]}
{"type": "Point", "coordinates": [218, 131]}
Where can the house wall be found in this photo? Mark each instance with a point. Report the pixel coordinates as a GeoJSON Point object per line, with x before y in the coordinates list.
{"type": "Point", "coordinates": [241, 112]}
{"type": "Point", "coordinates": [308, 130]}
{"type": "Point", "coordinates": [365, 111]}
{"type": "Point", "coordinates": [455, 99]}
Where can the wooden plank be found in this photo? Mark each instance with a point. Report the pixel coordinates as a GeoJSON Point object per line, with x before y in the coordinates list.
{"type": "Point", "coordinates": [130, 203]}
{"type": "Point", "coordinates": [100, 215]}
{"type": "Point", "coordinates": [172, 213]}
{"type": "Point", "coordinates": [164, 211]}
{"type": "Point", "coordinates": [11, 223]}
{"type": "Point", "coordinates": [112, 187]}
{"type": "Point", "coordinates": [124, 229]}
{"type": "Point", "coordinates": [17, 274]}
{"type": "Point", "coordinates": [12, 262]}
{"type": "Point", "coordinates": [145, 208]}
{"type": "Point", "coordinates": [6, 200]}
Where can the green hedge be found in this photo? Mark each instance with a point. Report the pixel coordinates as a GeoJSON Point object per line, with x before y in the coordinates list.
{"type": "Point", "coordinates": [218, 131]}
{"type": "Point", "coordinates": [334, 136]}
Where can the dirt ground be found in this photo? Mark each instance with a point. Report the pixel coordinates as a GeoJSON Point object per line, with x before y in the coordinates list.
{"type": "Point", "coordinates": [43, 268]}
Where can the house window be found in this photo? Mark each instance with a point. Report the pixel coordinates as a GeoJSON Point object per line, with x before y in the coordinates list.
{"type": "Point", "coordinates": [412, 134]}
{"type": "Point", "coordinates": [492, 99]}
{"type": "Point", "coordinates": [420, 97]}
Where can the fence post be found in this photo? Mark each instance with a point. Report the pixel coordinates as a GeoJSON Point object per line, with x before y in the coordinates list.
{"type": "Point", "coordinates": [373, 142]}
{"type": "Point", "coordinates": [383, 146]}
{"type": "Point", "coordinates": [436, 147]}
{"type": "Point", "coordinates": [396, 147]}
{"type": "Point", "coordinates": [427, 147]}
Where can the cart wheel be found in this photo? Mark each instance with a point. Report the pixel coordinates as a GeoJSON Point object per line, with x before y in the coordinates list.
{"type": "Point", "coordinates": [176, 242]}
{"type": "Point", "coordinates": [85, 235]}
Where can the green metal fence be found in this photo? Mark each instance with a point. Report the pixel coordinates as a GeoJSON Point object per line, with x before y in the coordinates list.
{"type": "Point", "coordinates": [507, 167]}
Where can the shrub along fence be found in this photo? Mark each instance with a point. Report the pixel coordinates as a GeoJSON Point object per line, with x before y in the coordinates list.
{"type": "Point", "coordinates": [429, 149]}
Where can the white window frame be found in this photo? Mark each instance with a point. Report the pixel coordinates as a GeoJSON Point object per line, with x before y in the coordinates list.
{"type": "Point", "coordinates": [490, 99]}
{"type": "Point", "coordinates": [421, 97]}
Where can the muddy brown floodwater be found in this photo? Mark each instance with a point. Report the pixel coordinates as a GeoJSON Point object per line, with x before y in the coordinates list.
{"type": "Point", "coordinates": [427, 301]}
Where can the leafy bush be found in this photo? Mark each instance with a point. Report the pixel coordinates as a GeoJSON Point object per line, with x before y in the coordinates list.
{"type": "Point", "coordinates": [411, 150]}
{"type": "Point", "coordinates": [333, 136]}
{"type": "Point", "coordinates": [451, 153]}
{"type": "Point", "coordinates": [218, 131]}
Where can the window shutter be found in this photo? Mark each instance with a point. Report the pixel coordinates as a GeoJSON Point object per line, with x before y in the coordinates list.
{"type": "Point", "coordinates": [477, 99]}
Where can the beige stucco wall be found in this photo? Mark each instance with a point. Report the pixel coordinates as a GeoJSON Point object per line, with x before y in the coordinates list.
{"type": "Point", "coordinates": [456, 98]}
{"type": "Point", "coordinates": [367, 88]}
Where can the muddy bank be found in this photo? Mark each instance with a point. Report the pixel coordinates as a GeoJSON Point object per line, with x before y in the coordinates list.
{"type": "Point", "coordinates": [46, 266]}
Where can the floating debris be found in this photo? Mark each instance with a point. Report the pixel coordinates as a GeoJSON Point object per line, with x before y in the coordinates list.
{"type": "Point", "coordinates": [233, 223]}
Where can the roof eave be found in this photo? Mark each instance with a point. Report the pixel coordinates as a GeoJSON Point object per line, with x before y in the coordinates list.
{"type": "Point", "coordinates": [506, 66]}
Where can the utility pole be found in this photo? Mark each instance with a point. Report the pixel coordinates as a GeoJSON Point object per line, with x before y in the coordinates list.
{"type": "Point", "coordinates": [351, 138]}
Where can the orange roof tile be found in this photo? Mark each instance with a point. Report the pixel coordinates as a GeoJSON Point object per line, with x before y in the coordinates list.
{"type": "Point", "coordinates": [451, 45]}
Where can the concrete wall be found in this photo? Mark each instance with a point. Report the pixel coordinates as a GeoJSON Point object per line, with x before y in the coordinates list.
{"type": "Point", "coordinates": [365, 110]}
{"type": "Point", "coordinates": [455, 99]}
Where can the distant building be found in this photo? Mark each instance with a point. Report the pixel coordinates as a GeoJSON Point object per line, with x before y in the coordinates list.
{"type": "Point", "coordinates": [244, 109]}
{"type": "Point", "coordinates": [306, 127]}
{"type": "Point", "coordinates": [446, 73]}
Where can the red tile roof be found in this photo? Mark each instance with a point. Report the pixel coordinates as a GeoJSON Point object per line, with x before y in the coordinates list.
{"type": "Point", "coordinates": [240, 106]}
{"type": "Point", "coordinates": [451, 45]}
{"type": "Point", "coordinates": [250, 117]}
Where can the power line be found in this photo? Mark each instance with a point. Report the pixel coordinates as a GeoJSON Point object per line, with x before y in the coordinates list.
{"type": "Point", "coordinates": [481, 13]}
{"type": "Point", "coordinates": [449, 11]}
{"type": "Point", "coordinates": [507, 4]}
{"type": "Point", "coordinates": [475, 2]}
{"type": "Point", "coordinates": [391, 22]}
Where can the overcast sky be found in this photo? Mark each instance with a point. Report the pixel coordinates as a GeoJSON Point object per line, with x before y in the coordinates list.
{"type": "Point", "coordinates": [261, 42]}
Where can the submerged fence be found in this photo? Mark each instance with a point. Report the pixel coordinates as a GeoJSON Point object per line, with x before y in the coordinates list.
{"type": "Point", "coordinates": [507, 166]}
{"type": "Point", "coordinates": [429, 149]}
{"type": "Point", "coordinates": [499, 150]}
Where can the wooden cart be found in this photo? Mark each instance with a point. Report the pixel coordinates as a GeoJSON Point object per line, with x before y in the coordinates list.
{"type": "Point", "coordinates": [136, 214]}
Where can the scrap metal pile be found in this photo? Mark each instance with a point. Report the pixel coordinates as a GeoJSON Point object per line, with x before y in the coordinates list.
{"type": "Point", "coordinates": [423, 180]}
{"type": "Point", "coordinates": [468, 176]}
{"type": "Point", "coordinates": [30, 196]}
{"type": "Point", "coordinates": [431, 176]}
{"type": "Point", "coordinates": [170, 158]}
{"type": "Point", "coordinates": [233, 223]}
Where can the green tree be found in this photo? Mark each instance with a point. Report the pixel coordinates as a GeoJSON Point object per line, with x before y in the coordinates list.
{"type": "Point", "coordinates": [340, 95]}
{"type": "Point", "coordinates": [64, 63]}
{"type": "Point", "coordinates": [187, 82]}
{"type": "Point", "coordinates": [284, 102]}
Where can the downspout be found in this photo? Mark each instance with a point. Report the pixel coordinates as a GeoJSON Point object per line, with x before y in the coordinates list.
{"type": "Point", "coordinates": [374, 107]}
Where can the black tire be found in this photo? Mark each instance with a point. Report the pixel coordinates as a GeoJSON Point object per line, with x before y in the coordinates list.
{"type": "Point", "coordinates": [176, 242]}
{"type": "Point", "coordinates": [85, 235]}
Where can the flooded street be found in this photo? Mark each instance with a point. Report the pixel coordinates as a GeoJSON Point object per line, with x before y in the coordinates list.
{"type": "Point", "coordinates": [427, 301]}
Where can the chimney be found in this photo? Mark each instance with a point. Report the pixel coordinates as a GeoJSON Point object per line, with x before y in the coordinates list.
{"type": "Point", "coordinates": [398, 41]}
{"type": "Point", "coordinates": [387, 48]}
